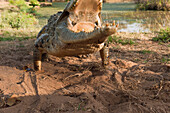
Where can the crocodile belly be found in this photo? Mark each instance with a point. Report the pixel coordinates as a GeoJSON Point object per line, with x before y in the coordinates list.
{"type": "Point", "coordinates": [77, 49]}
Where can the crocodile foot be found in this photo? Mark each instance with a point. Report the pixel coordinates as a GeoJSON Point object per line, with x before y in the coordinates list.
{"type": "Point", "coordinates": [37, 57]}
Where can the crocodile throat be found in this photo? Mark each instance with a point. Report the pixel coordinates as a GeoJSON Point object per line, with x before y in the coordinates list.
{"type": "Point", "coordinates": [83, 18]}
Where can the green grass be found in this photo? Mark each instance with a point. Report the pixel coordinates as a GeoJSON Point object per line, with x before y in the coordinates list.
{"type": "Point", "coordinates": [136, 60]}
{"type": "Point", "coordinates": [163, 36]}
{"type": "Point", "coordinates": [7, 38]}
{"type": "Point", "coordinates": [120, 40]}
{"type": "Point", "coordinates": [165, 60]}
{"type": "Point", "coordinates": [145, 52]}
{"type": "Point", "coordinates": [44, 13]}
{"type": "Point", "coordinates": [10, 34]}
{"type": "Point", "coordinates": [15, 38]}
{"type": "Point", "coordinates": [145, 61]}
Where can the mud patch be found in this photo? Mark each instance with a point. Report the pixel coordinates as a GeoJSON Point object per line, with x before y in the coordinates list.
{"type": "Point", "coordinates": [81, 84]}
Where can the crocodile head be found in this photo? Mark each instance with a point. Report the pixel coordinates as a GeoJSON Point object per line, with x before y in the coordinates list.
{"type": "Point", "coordinates": [83, 17]}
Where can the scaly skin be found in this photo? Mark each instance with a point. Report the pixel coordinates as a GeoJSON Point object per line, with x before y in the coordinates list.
{"type": "Point", "coordinates": [75, 31]}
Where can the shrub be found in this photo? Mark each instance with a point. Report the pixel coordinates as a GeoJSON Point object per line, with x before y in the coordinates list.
{"type": "Point", "coordinates": [20, 4]}
{"type": "Point", "coordinates": [163, 35]}
{"type": "Point", "coordinates": [153, 4]}
{"type": "Point", "coordinates": [23, 7]}
{"type": "Point", "coordinates": [17, 20]}
{"type": "Point", "coordinates": [33, 3]}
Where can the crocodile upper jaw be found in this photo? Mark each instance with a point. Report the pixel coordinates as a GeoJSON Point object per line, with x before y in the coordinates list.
{"type": "Point", "coordinates": [84, 15]}
{"type": "Point", "coordinates": [86, 6]}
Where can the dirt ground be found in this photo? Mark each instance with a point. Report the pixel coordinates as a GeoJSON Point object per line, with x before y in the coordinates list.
{"type": "Point", "coordinates": [136, 81]}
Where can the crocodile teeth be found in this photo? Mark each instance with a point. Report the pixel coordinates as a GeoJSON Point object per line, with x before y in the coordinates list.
{"type": "Point", "coordinates": [113, 23]}
{"type": "Point", "coordinates": [77, 2]}
{"type": "Point", "coordinates": [117, 25]}
{"type": "Point", "coordinates": [107, 24]}
{"type": "Point", "coordinates": [74, 4]}
{"type": "Point", "coordinates": [100, 6]}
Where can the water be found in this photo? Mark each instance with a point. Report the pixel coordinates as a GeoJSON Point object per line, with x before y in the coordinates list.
{"type": "Point", "coordinates": [135, 21]}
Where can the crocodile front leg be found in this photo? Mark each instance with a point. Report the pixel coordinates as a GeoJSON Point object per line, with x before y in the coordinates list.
{"type": "Point", "coordinates": [37, 57]}
{"type": "Point", "coordinates": [104, 54]}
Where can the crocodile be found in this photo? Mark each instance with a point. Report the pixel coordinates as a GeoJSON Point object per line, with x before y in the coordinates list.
{"type": "Point", "coordinates": [77, 30]}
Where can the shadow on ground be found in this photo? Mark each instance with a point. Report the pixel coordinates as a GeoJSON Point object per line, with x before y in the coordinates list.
{"type": "Point", "coordinates": [78, 84]}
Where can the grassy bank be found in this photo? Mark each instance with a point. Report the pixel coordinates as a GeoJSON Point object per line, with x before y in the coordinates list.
{"type": "Point", "coordinates": [153, 5]}
{"type": "Point", "coordinates": [123, 13]}
{"type": "Point", "coordinates": [16, 28]}
{"type": "Point", "coordinates": [18, 21]}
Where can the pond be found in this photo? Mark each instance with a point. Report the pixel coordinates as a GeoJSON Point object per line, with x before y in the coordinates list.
{"type": "Point", "coordinates": [135, 21]}
{"type": "Point", "coordinates": [123, 13]}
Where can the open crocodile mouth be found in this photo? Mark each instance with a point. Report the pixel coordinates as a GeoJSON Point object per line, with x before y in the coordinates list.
{"type": "Point", "coordinates": [84, 15]}
{"type": "Point", "coordinates": [82, 23]}
{"type": "Point", "coordinates": [83, 26]}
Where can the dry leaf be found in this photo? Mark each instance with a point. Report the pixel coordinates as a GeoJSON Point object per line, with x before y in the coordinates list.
{"type": "Point", "coordinates": [16, 97]}
{"type": "Point", "coordinates": [11, 101]}
{"type": "Point", "coordinates": [118, 78]}
{"type": "Point", "coordinates": [1, 103]}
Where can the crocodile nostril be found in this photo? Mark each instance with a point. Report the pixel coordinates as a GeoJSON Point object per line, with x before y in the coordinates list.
{"type": "Point", "coordinates": [73, 23]}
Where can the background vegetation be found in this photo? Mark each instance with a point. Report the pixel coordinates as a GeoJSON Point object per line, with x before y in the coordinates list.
{"type": "Point", "coordinates": [23, 20]}
{"type": "Point", "coordinates": [18, 21]}
{"type": "Point", "coordinates": [153, 4]}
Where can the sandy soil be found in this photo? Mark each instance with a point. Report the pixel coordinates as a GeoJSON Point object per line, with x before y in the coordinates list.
{"type": "Point", "coordinates": [135, 81]}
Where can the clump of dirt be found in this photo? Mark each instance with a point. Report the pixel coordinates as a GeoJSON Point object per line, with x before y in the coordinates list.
{"type": "Point", "coordinates": [80, 84]}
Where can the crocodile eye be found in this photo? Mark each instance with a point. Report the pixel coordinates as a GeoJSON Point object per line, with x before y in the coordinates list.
{"type": "Point", "coordinates": [73, 23]}
{"type": "Point", "coordinates": [96, 23]}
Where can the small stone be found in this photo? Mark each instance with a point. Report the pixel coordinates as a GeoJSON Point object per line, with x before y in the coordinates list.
{"type": "Point", "coordinates": [89, 110]}
{"type": "Point", "coordinates": [11, 101]}
{"type": "Point", "coordinates": [118, 78]}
